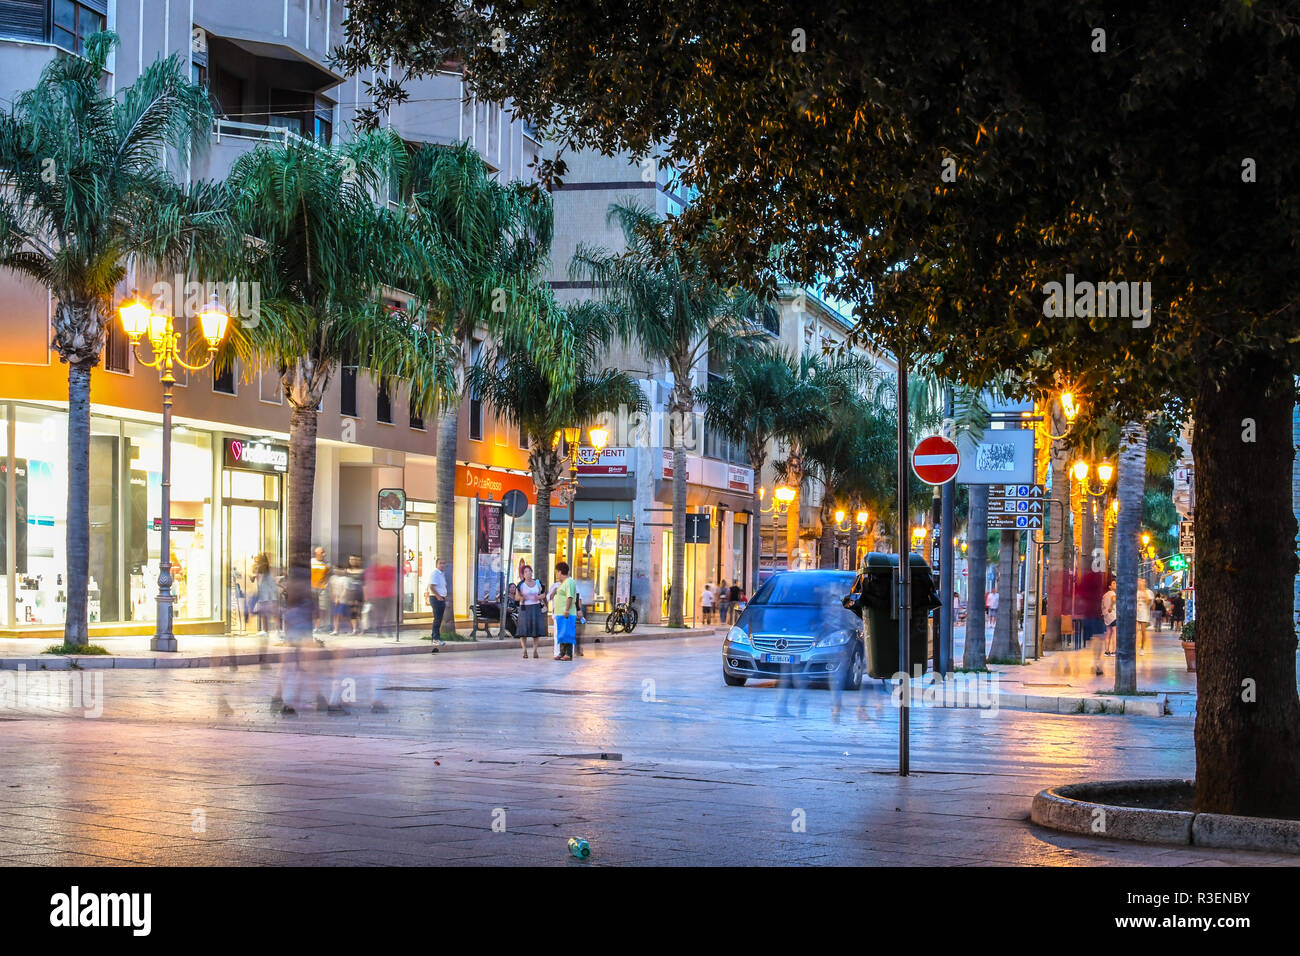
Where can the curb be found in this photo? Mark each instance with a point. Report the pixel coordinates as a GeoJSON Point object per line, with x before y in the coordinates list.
{"type": "Point", "coordinates": [53, 662]}
{"type": "Point", "coordinates": [1081, 808]}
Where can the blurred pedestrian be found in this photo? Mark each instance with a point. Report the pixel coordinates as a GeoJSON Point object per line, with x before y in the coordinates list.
{"type": "Point", "coordinates": [340, 588]}
{"type": "Point", "coordinates": [706, 604]}
{"type": "Point", "coordinates": [1177, 607]}
{"type": "Point", "coordinates": [1144, 600]}
{"type": "Point", "coordinates": [381, 595]}
{"type": "Point", "coordinates": [356, 593]}
{"type": "Point", "coordinates": [532, 615]}
{"type": "Point", "coordinates": [266, 595]}
{"type": "Point", "coordinates": [1109, 617]}
{"type": "Point", "coordinates": [735, 597]}
{"type": "Point", "coordinates": [320, 572]}
{"type": "Point", "coordinates": [1157, 612]}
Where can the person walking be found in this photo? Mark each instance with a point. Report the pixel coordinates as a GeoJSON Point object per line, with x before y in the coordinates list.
{"type": "Point", "coordinates": [1157, 612]}
{"type": "Point", "coordinates": [266, 595]}
{"type": "Point", "coordinates": [568, 611]}
{"type": "Point", "coordinates": [340, 587]}
{"type": "Point", "coordinates": [1144, 601]}
{"type": "Point", "coordinates": [436, 593]}
{"type": "Point", "coordinates": [723, 598]}
{"type": "Point", "coordinates": [1177, 608]}
{"type": "Point", "coordinates": [1107, 641]}
{"type": "Point", "coordinates": [734, 598]}
{"type": "Point", "coordinates": [706, 604]}
{"type": "Point", "coordinates": [532, 615]}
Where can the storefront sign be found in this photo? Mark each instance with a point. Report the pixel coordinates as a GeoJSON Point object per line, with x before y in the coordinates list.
{"type": "Point", "coordinates": [611, 461]}
{"type": "Point", "coordinates": [623, 562]}
{"type": "Point", "coordinates": [255, 455]}
{"type": "Point", "coordinates": [740, 478]}
{"type": "Point", "coordinates": [392, 509]}
{"type": "Point", "coordinates": [488, 544]}
{"type": "Point", "coordinates": [692, 466]}
{"type": "Point", "coordinates": [472, 482]}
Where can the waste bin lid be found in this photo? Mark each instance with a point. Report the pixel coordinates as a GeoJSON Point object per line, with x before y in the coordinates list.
{"type": "Point", "coordinates": [880, 561]}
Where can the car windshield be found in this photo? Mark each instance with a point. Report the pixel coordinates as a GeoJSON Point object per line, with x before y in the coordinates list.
{"type": "Point", "coordinates": [816, 588]}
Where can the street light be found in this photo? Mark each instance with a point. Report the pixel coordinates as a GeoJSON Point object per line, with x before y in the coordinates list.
{"type": "Point", "coordinates": [165, 342]}
{"type": "Point", "coordinates": [599, 436]}
{"type": "Point", "coordinates": [784, 494]}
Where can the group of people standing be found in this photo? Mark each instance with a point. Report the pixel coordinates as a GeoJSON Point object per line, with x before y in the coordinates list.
{"type": "Point", "coordinates": [348, 600]}
{"type": "Point", "coordinates": [1152, 607]}
{"type": "Point", "coordinates": [727, 600]}
{"type": "Point", "coordinates": [527, 607]}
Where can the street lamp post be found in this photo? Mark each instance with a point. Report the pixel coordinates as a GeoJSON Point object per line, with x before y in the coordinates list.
{"type": "Point", "coordinates": [165, 341]}
{"type": "Point", "coordinates": [599, 437]}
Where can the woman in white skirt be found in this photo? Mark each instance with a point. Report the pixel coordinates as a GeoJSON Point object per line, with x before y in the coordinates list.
{"type": "Point", "coordinates": [532, 611]}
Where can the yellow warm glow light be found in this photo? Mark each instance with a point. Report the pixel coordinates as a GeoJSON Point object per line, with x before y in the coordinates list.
{"type": "Point", "coordinates": [1104, 471]}
{"type": "Point", "coordinates": [784, 494]}
{"type": "Point", "coordinates": [1080, 470]}
{"type": "Point", "coordinates": [1114, 506]}
{"type": "Point", "coordinates": [964, 546]}
{"type": "Point", "coordinates": [839, 516]}
{"type": "Point", "coordinates": [862, 517]}
{"type": "Point", "coordinates": [599, 438]}
{"type": "Point", "coordinates": [1069, 406]}
{"type": "Point", "coordinates": [159, 326]}
{"type": "Point", "coordinates": [213, 320]}
{"type": "Point", "coordinates": [918, 532]}
{"type": "Point", "coordinates": [571, 435]}
{"type": "Point", "coordinates": [135, 319]}
{"type": "Point", "coordinates": [1146, 539]}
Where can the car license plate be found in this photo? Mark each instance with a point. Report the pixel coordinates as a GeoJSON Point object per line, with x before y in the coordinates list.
{"type": "Point", "coordinates": [779, 658]}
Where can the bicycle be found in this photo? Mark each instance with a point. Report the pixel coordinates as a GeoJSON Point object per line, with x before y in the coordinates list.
{"type": "Point", "coordinates": [623, 618]}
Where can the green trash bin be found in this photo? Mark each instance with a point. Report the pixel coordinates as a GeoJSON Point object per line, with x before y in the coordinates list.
{"type": "Point", "coordinates": [876, 602]}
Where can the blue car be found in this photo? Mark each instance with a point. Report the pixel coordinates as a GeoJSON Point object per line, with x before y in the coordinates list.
{"type": "Point", "coordinates": [796, 629]}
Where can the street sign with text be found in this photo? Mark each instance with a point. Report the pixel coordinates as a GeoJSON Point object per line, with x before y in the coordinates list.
{"type": "Point", "coordinates": [1017, 491]}
{"type": "Point", "coordinates": [1015, 522]}
{"type": "Point", "coordinates": [1186, 537]}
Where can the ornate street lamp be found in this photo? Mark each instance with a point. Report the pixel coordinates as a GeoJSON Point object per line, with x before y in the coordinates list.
{"type": "Point", "coordinates": [167, 347]}
{"type": "Point", "coordinates": [571, 433]}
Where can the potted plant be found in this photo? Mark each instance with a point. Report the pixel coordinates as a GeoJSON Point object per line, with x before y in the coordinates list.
{"type": "Point", "coordinates": [1188, 639]}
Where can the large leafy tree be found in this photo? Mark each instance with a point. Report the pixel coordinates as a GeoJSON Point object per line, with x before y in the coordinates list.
{"type": "Point", "coordinates": [497, 236]}
{"type": "Point", "coordinates": [663, 298]}
{"type": "Point", "coordinates": [513, 378]}
{"type": "Point", "coordinates": [323, 250]}
{"type": "Point", "coordinates": [83, 195]}
{"type": "Point", "coordinates": [1145, 142]}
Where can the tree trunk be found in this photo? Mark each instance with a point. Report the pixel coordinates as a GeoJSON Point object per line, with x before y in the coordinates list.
{"type": "Point", "coordinates": [1247, 712]}
{"type": "Point", "coordinates": [676, 600]}
{"type": "Point", "coordinates": [1129, 486]}
{"type": "Point", "coordinates": [301, 496]}
{"type": "Point", "coordinates": [1006, 640]}
{"type": "Point", "coordinates": [76, 626]}
{"type": "Point", "coordinates": [977, 534]}
{"type": "Point", "coordinates": [445, 526]}
{"type": "Point", "coordinates": [1056, 549]}
{"type": "Point", "coordinates": [544, 465]}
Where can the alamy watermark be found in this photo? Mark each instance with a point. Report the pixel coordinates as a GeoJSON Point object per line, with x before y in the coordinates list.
{"type": "Point", "coordinates": [241, 300]}
{"type": "Point", "coordinates": [21, 689]}
{"type": "Point", "coordinates": [1102, 300]}
{"type": "Point", "coordinates": [973, 690]}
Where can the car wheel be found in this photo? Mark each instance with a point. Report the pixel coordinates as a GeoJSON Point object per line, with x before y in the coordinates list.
{"type": "Point", "coordinates": [733, 681]}
{"type": "Point", "coordinates": [853, 676]}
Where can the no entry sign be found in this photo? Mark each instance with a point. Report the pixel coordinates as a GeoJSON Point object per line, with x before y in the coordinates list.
{"type": "Point", "coordinates": [935, 460]}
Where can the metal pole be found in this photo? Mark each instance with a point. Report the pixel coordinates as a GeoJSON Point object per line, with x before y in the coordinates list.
{"type": "Point", "coordinates": [508, 548]}
{"type": "Point", "coordinates": [400, 590]}
{"type": "Point", "coordinates": [904, 573]}
{"type": "Point", "coordinates": [946, 550]}
{"type": "Point", "coordinates": [164, 639]}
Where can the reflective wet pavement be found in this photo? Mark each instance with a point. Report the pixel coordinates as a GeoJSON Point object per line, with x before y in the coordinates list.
{"type": "Point", "coordinates": [490, 759]}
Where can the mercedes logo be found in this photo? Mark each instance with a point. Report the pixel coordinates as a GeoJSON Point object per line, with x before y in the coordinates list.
{"type": "Point", "coordinates": [782, 644]}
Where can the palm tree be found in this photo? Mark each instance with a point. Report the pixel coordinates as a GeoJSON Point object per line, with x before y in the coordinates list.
{"type": "Point", "coordinates": [322, 250]}
{"type": "Point", "coordinates": [499, 237]}
{"type": "Point", "coordinates": [767, 396]}
{"type": "Point", "coordinates": [82, 194]}
{"type": "Point", "coordinates": [665, 299]}
{"type": "Point", "coordinates": [977, 534]}
{"type": "Point", "coordinates": [513, 379]}
{"type": "Point", "coordinates": [1006, 639]}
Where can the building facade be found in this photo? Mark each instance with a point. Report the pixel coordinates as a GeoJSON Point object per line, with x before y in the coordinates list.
{"type": "Point", "coordinates": [267, 68]}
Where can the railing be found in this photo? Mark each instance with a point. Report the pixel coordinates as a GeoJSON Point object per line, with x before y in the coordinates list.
{"type": "Point", "coordinates": [239, 130]}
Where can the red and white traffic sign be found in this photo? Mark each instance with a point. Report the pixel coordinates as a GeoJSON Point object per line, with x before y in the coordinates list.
{"type": "Point", "coordinates": [936, 460]}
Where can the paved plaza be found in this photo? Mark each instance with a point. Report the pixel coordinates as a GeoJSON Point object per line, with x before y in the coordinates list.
{"type": "Point", "coordinates": [638, 748]}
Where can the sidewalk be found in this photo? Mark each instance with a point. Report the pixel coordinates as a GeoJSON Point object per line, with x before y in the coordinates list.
{"type": "Point", "coordinates": [220, 650]}
{"type": "Point", "coordinates": [1060, 680]}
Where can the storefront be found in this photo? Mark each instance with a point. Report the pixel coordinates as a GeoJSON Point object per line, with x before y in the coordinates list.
{"type": "Point", "coordinates": [419, 552]}
{"type": "Point", "coordinates": [472, 485]}
{"type": "Point", "coordinates": [606, 493]}
{"type": "Point", "coordinates": [125, 519]}
{"type": "Point", "coordinates": [252, 496]}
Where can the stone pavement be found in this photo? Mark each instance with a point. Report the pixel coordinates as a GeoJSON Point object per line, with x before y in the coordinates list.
{"type": "Point", "coordinates": [220, 650]}
{"type": "Point", "coordinates": [638, 747]}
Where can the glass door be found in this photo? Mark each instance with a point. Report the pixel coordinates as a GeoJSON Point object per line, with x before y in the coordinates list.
{"type": "Point", "coordinates": [250, 530]}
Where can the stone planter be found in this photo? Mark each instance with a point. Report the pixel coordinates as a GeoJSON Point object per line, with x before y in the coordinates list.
{"type": "Point", "coordinates": [1189, 651]}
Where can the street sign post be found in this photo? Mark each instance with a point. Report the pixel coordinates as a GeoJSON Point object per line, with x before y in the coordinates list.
{"type": "Point", "coordinates": [392, 517]}
{"type": "Point", "coordinates": [1186, 537]}
{"type": "Point", "coordinates": [935, 460]}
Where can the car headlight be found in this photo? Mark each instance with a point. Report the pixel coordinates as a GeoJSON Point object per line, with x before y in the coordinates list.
{"type": "Point", "coordinates": [737, 635]}
{"type": "Point", "coordinates": [835, 639]}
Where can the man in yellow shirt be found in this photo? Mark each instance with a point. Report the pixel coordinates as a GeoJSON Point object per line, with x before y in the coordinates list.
{"type": "Point", "coordinates": [568, 610]}
{"type": "Point", "coordinates": [320, 572]}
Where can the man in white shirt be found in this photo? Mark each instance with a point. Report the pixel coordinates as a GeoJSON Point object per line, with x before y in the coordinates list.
{"type": "Point", "coordinates": [437, 594]}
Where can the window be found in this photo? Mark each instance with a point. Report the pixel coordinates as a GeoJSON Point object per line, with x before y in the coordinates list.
{"type": "Point", "coordinates": [323, 131]}
{"type": "Point", "coordinates": [268, 388]}
{"type": "Point", "coordinates": [417, 420]}
{"type": "Point", "coordinates": [23, 19]}
{"type": "Point", "coordinates": [348, 391]}
{"type": "Point", "coordinates": [117, 349]}
{"type": "Point", "coordinates": [383, 402]}
{"type": "Point", "coordinates": [73, 23]}
{"type": "Point", "coordinates": [475, 402]}
{"type": "Point", "coordinates": [523, 438]}
{"type": "Point", "coordinates": [223, 379]}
